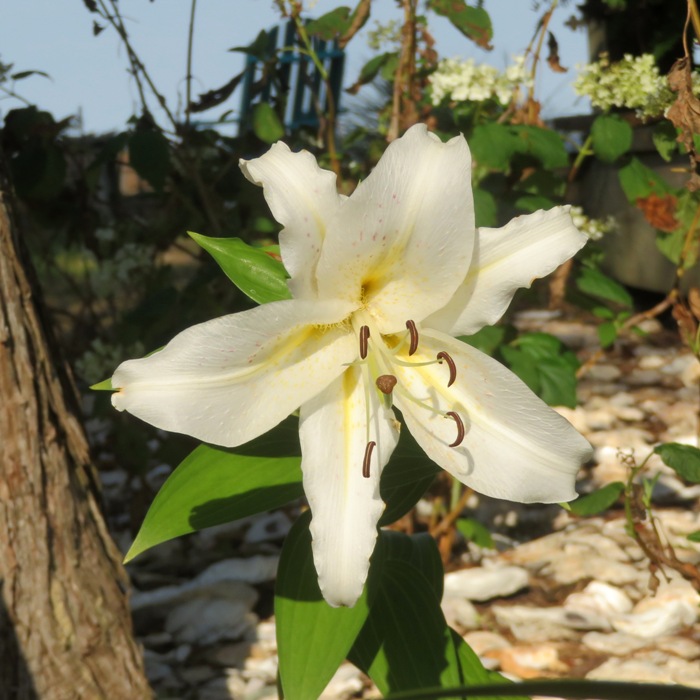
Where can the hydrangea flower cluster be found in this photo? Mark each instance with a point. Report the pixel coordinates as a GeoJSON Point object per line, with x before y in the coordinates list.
{"type": "Point", "coordinates": [595, 229]}
{"type": "Point", "coordinates": [633, 83]}
{"type": "Point", "coordinates": [463, 81]}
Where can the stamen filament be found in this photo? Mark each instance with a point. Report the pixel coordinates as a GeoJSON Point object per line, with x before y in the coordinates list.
{"type": "Point", "coordinates": [460, 428]}
{"type": "Point", "coordinates": [368, 458]}
{"type": "Point", "coordinates": [414, 336]}
{"type": "Point", "coordinates": [364, 337]}
{"type": "Point", "coordinates": [451, 364]}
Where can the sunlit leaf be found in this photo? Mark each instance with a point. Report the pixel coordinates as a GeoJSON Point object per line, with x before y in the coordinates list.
{"type": "Point", "coordinates": [254, 271]}
{"type": "Point", "coordinates": [266, 124]}
{"type": "Point", "coordinates": [214, 485]}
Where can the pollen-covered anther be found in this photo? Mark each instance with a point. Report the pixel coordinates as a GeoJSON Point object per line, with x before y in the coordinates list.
{"type": "Point", "coordinates": [386, 383]}
{"type": "Point", "coordinates": [413, 331]}
{"type": "Point", "coordinates": [368, 458]}
{"type": "Point", "coordinates": [460, 428]}
{"type": "Point", "coordinates": [451, 364]}
{"type": "Point", "coordinates": [364, 338]}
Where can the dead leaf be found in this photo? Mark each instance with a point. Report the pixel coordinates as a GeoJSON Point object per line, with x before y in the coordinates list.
{"type": "Point", "coordinates": [553, 55]}
{"type": "Point", "coordinates": [660, 211]}
{"type": "Point", "coordinates": [694, 301]}
{"type": "Point", "coordinates": [684, 114]}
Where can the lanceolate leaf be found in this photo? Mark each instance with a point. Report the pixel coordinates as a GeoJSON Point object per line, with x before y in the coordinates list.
{"type": "Point", "coordinates": [312, 637]}
{"type": "Point", "coordinates": [254, 271]}
{"type": "Point", "coordinates": [597, 501]}
{"type": "Point", "coordinates": [214, 485]}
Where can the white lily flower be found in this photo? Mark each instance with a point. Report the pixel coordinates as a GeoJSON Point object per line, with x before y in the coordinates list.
{"type": "Point", "coordinates": [381, 281]}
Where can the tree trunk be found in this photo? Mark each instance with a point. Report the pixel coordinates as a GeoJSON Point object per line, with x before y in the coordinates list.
{"type": "Point", "coordinates": [65, 628]}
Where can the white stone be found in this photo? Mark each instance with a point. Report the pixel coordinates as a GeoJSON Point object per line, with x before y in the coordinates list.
{"type": "Point", "coordinates": [483, 641]}
{"type": "Point", "coordinates": [268, 527]}
{"type": "Point", "coordinates": [601, 598]}
{"type": "Point", "coordinates": [237, 572]}
{"type": "Point", "coordinates": [483, 583]}
{"type": "Point", "coordinates": [655, 622]}
{"type": "Point", "coordinates": [614, 643]}
{"type": "Point", "coordinates": [205, 621]}
{"type": "Point", "coordinates": [459, 612]}
{"type": "Point", "coordinates": [346, 683]}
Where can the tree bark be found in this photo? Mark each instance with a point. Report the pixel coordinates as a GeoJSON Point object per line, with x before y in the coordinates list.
{"type": "Point", "coordinates": [65, 627]}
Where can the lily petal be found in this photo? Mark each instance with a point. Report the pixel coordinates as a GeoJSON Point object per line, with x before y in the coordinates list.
{"type": "Point", "coordinates": [231, 379]}
{"type": "Point", "coordinates": [506, 259]}
{"type": "Point", "coordinates": [303, 198]}
{"type": "Point", "coordinates": [345, 505]}
{"type": "Point", "coordinates": [515, 447]}
{"type": "Point", "coordinates": [404, 238]}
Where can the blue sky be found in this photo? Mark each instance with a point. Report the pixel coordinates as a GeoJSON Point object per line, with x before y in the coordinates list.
{"type": "Point", "coordinates": [89, 74]}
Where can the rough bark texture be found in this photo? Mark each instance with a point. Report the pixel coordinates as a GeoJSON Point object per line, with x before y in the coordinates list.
{"type": "Point", "coordinates": [65, 628]}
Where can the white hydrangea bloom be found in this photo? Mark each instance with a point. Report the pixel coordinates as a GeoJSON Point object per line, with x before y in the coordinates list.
{"type": "Point", "coordinates": [467, 81]}
{"type": "Point", "coordinates": [632, 83]}
{"type": "Point", "coordinates": [595, 229]}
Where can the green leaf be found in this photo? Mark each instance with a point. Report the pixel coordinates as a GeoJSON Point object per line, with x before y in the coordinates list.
{"type": "Point", "coordinates": [330, 25]}
{"type": "Point", "coordinates": [694, 536]}
{"type": "Point", "coordinates": [419, 551]}
{"type": "Point", "coordinates": [369, 71]}
{"type": "Point", "coordinates": [672, 244]}
{"type": "Point", "coordinates": [473, 531]}
{"type": "Point", "coordinates": [524, 365]}
{"type": "Point", "coordinates": [665, 138]}
{"type": "Point", "coordinates": [607, 334]}
{"type": "Point", "coordinates": [597, 284]}
{"type": "Point", "coordinates": [473, 22]}
{"type": "Point", "coordinates": [683, 459]}
{"type": "Point", "coordinates": [214, 485]}
{"type": "Point", "coordinates": [27, 73]}
{"type": "Point", "coordinates": [104, 385]}
{"type": "Point", "coordinates": [533, 202]}
{"type": "Point", "coordinates": [558, 381]}
{"type": "Point", "coordinates": [493, 145]}
{"type": "Point", "coordinates": [544, 144]}
{"type": "Point", "coordinates": [313, 638]}
{"type": "Point", "coordinates": [485, 208]}
{"type": "Point", "coordinates": [597, 501]}
{"type": "Point", "coordinates": [473, 670]}
{"type": "Point", "coordinates": [266, 124]}
{"type": "Point", "coordinates": [405, 643]}
{"type": "Point", "coordinates": [254, 271]}
{"type": "Point", "coordinates": [149, 156]}
{"type": "Point", "coordinates": [612, 137]}
{"type": "Point", "coordinates": [488, 339]}
{"type": "Point", "coordinates": [638, 181]}
{"type": "Point", "coordinates": [405, 478]}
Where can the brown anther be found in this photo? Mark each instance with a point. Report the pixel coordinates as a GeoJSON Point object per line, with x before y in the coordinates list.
{"type": "Point", "coordinates": [364, 337]}
{"type": "Point", "coordinates": [386, 383]}
{"type": "Point", "coordinates": [451, 364]}
{"type": "Point", "coordinates": [460, 428]}
{"type": "Point", "coordinates": [413, 346]}
{"type": "Point", "coordinates": [368, 458]}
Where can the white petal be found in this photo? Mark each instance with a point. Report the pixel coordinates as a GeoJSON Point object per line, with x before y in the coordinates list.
{"type": "Point", "coordinates": [405, 236]}
{"type": "Point", "coordinates": [515, 446]}
{"type": "Point", "coordinates": [303, 198]}
{"type": "Point", "coordinates": [229, 380]}
{"type": "Point", "coordinates": [345, 505]}
{"type": "Point", "coordinates": [506, 259]}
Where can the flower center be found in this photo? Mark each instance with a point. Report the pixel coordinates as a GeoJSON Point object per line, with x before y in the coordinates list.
{"type": "Point", "coordinates": [378, 355]}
